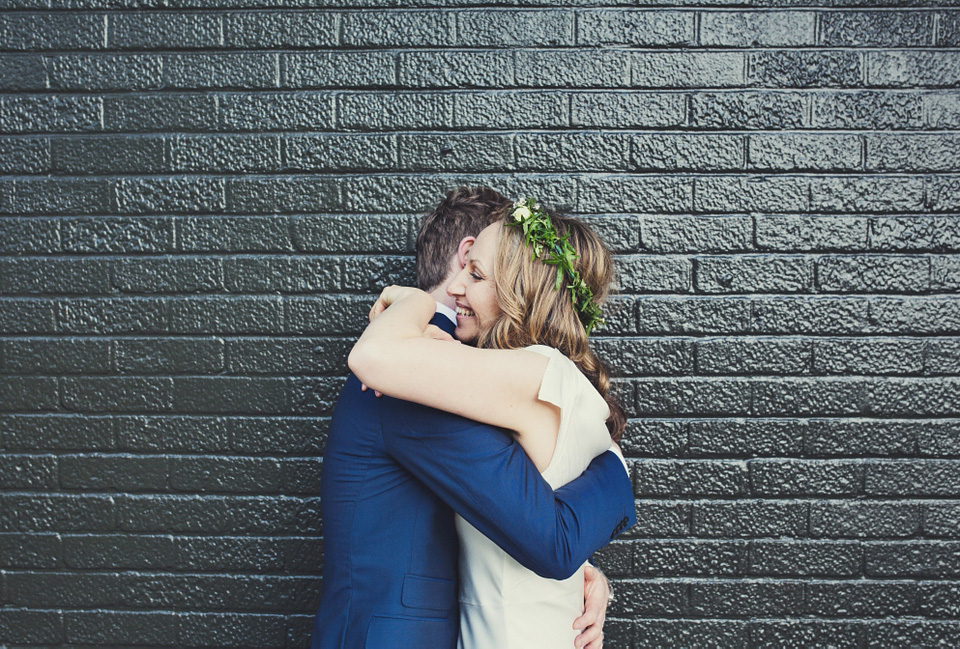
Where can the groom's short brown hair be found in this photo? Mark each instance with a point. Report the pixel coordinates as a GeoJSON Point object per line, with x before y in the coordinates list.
{"type": "Point", "coordinates": [462, 213]}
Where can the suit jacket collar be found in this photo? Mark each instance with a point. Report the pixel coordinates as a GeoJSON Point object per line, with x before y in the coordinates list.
{"type": "Point", "coordinates": [443, 322]}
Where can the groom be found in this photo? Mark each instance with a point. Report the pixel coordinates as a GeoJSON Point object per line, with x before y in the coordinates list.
{"type": "Point", "coordinates": [395, 472]}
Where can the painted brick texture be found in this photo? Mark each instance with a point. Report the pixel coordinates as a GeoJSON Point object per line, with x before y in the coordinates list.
{"type": "Point", "coordinates": [198, 202]}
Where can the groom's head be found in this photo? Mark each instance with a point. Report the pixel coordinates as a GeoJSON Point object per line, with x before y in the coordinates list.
{"type": "Point", "coordinates": [449, 231]}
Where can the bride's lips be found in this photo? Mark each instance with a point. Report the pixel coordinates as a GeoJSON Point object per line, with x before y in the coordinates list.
{"type": "Point", "coordinates": [464, 312]}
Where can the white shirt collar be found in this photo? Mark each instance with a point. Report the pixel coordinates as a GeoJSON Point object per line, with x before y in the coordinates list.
{"type": "Point", "coordinates": [447, 311]}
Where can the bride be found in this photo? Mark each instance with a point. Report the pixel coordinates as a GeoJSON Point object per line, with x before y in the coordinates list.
{"type": "Point", "coordinates": [529, 295]}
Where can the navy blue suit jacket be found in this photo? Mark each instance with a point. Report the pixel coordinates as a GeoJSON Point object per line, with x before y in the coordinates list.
{"type": "Point", "coordinates": [393, 474]}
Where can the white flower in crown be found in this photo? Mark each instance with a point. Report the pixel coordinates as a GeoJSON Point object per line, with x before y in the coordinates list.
{"type": "Point", "coordinates": [521, 213]}
{"type": "Point", "coordinates": [536, 206]}
{"type": "Point", "coordinates": [519, 203]}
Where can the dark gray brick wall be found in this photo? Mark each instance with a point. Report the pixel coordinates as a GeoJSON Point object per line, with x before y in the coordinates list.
{"type": "Point", "coordinates": [199, 200]}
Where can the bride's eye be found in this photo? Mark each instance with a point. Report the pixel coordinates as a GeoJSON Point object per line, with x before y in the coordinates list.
{"type": "Point", "coordinates": [477, 276]}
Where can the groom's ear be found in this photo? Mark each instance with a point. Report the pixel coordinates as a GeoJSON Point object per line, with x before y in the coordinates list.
{"type": "Point", "coordinates": [465, 244]}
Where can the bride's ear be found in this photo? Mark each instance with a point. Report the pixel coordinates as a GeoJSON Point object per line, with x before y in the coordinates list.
{"type": "Point", "coordinates": [465, 244]}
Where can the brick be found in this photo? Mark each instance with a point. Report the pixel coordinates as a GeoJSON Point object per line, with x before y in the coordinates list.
{"type": "Point", "coordinates": [191, 434]}
{"type": "Point", "coordinates": [577, 152]}
{"type": "Point", "coordinates": [145, 30]}
{"type": "Point", "coordinates": [28, 472]}
{"type": "Point", "coordinates": [361, 233]}
{"type": "Point", "coordinates": [648, 598]}
{"type": "Point", "coordinates": [811, 233]}
{"type": "Point", "coordinates": [232, 630]}
{"type": "Point", "coordinates": [667, 233]}
{"type": "Point", "coordinates": [749, 518]}
{"type": "Point", "coordinates": [234, 234]}
{"type": "Point", "coordinates": [943, 193]}
{"type": "Point", "coordinates": [225, 475]}
{"type": "Point", "coordinates": [654, 274]}
{"type": "Point", "coordinates": [286, 194]}
{"type": "Point", "coordinates": [938, 600]}
{"type": "Point", "coordinates": [111, 315]}
{"type": "Point", "coordinates": [942, 356]}
{"type": "Point", "coordinates": [23, 72]}
{"type": "Point", "coordinates": [511, 110]}
{"type": "Point", "coordinates": [456, 152]}
{"type": "Point", "coordinates": [698, 633]}
{"type": "Point", "coordinates": [745, 437]}
{"type": "Point", "coordinates": [724, 194]}
{"type": "Point", "coordinates": [914, 233]}
{"type": "Point", "coordinates": [116, 235]}
{"type": "Point", "coordinates": [102, 551]}
{"type": "Point", "coordinates": [393, 111]}
{"type": "Point", "coordinates": [455, 69]}
{"type": "Point", "coordinates": [863, 519]}
{"type": "Point", "coordinates": [60, 432]}
{"type": "Point", "coordinates": [688, 558]}
{"type": "Point", "coordinates": [30, 551]}
{"type": "Point", "coordinates": [393, 193]}
{"type": "Point", "coordinates": [635, 193]}
{"type": "Point", "coordinates": [41, 275]}
{"type": "Point", "coordinates": [287, 29]}
{"type": "Point", "coordinates": [686, 69]}
{"type": "Point", "coordinates": [769, 110]}
{"type": "Point", "coordinates": [371, 274]}
{"type": "Point", "coordinates": [939, 438]}
{"type": "Point", "coordinates": [941, 519]}
{"type": "Point", "coordinates": [645, 356]}
{"type": "Point", "coordinates": [568, 69]}
{"type": "Point", "coordinates": [223, 515]}
{"type": "Point", "coordinates": [945, 273]}
{"type": "Point", "coordinates": [654, 438]}
{"type": "Point", "coordinates": [686, 152]}
{"type": "Point", "coordinates": [913, 478]}
{"type": "Point", "coordinates": [31, 627]}
{"type": "Point", "coordinates": [44, 590]}
{"type": "Point", "coordinates": [176, 356]}
{"type": "Point", "coordinates": [689, 478]}
{"type": "Point", "coordinates": [786, 397]}
{"type": "Point", "coordinates": [310, 315]}
{"type": "Point", "coordinates": [228, 70]}
{"type": "Point", "coordinates": [691, 397]}
{"type": "Point", "coordinates": [301, 356]}
{"type": "Point", "coordinates": [866, 194]}
{"type": "Point", "coordinates": [804, 69]}
{"type": "Point", "coordinates": [105, 72]}
{"type": "Point", "coordinates": [630, 109]}
{"type": "Point", "coordinates": [881, 274]}
{"type": "Point", "coordinates": [107, 155]}
{"type": "Point", "coordinates": [88, 394]}
{"type": "Point", "coordinates": [693, 315]}
{"type": "Point", "coordinates": [94, 627]}
{"type": "Point", "coordinates": [925, 559]}
{"type": "Point", "coordinates": [948, 32]}
{"type": "Point", "coordinates": [58, 513]}
{"type": "Point", "coordinates": [912, 69]}
{"type": "Point", "coordinates": [744, 598]}
{"type": "Point", "coordinates": [867, 110]}
{"type": "Point", "coordinates": [867, 356]}
{"type": "Point", "coordinates": [779, 478]}
{"type": "Point", "coordinates": [282, 274]}
{"type": "Point", "coordinates": [753, 274]}
{"type": "Point", "coordinates": [278, 436]}
{"type": "Point", "coordinates": [797, 633]}
{"type": "Point", "coordinates": [171, 194]}
{"type": "Point", "coordinates": [414, 28]}
{"type": "Point", "coordinates": [168, 275]}
{"type": "Point", "coordinates": [29, 235]}
{"type": "Point", "coordinates": [620, 234]}
{"type": "Point", "coordinates": [876, 28]}
{"type": "Point", "coordinates": [24, 356]}
{"type": "Point", "coordinates": [545, 27]}
{"type": "Point", "coordinates": [800, 152]}
{"type": "Point", "coordinates": [144, 112]}
{"type": "Point", "coordinates": [71, 196]}
{"type": "Point", "coordinates": [29, 393]}
{"type": "Point", "coordinates": [942, 110]}
{"type": "Point", "coordinates": [276, 111]}
{"type": "Point", "coordinates": [235, 153]}
{"type": "Point", "coordinates": [228, 553]}
{"type": "Point", "coordinates": [844, 438]}
{"type": "Point", "coordinates": [29, 31]}
{"type": "Point", "coordinates": [861, 599]}
{"type": "Point", "coordinates": [901, 397]}
{"type": "Point", "coordinates": [301, 476]}
{"type": "Point", "coordinates": [753, 356]}
{"type": "Point", "coordinates": [24, 155]}
{"type": "Point", "coordinates": [660, 519]}
{"type": "Point", "coordinates": [803, 558]}
{"type": "Point", "coordinates": [30, 315]}
{"type": "Point", "coordinates": [757, 29]}
{"type": "Point", "coordinates": [634, 28]}
{"type": "Point", "coordinates": [887, 152]}
{"type": "Point", "coordinates": [340, 153]}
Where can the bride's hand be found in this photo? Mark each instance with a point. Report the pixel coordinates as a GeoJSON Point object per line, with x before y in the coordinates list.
{"type": "Point", "coordinates": [388, 296]}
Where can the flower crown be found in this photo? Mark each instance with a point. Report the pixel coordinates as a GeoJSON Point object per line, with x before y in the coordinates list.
{"type": "Point", "coordinates": [555, 250]}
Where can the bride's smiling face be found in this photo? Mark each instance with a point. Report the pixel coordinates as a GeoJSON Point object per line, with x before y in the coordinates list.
{"type": "Point", "coordinates": [474, 288]}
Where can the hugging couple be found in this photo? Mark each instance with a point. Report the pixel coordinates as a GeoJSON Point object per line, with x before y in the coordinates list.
{"type": "Point", "coordinates": [460, 508]}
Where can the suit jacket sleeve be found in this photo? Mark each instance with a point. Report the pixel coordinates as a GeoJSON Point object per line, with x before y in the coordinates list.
{"type": "Point", "coordinates": [486, 477]}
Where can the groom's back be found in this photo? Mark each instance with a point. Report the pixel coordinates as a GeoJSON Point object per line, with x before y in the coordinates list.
{"type": "Point", "coordinates": [390, 547]}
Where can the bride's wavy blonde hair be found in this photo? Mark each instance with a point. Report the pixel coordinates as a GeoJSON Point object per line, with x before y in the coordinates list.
{"type": "Point", "coordinates": [533, 312]}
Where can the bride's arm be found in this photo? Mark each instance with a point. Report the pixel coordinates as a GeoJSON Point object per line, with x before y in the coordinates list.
{"type": "Point", "coordinates": [492, 386]}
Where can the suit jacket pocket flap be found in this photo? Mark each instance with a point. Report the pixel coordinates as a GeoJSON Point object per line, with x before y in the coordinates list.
{"type": "Point", "coordinates": [428, 592]}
